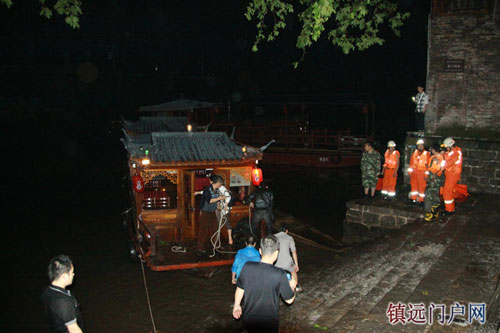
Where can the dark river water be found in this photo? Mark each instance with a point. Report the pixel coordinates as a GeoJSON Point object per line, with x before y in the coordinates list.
{"type": "Point", "coordinates": [63, 194]}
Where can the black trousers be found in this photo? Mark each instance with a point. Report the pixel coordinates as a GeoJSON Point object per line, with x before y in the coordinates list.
{"type": "Point", "coordinates": [261, 324]}
{"type": "Point", "coordinates": [257, 216]}
{"type": "Point", "coordinates": [420, 121]}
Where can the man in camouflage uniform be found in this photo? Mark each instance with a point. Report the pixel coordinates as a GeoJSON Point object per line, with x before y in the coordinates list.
{"type": "Point", "coordinates": [370, 169]}
{"type": "Point", "coordinates": [434, 182]}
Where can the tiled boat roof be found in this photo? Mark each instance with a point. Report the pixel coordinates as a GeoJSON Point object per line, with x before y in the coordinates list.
{"type": "Point", "coordinates": [172, 147]}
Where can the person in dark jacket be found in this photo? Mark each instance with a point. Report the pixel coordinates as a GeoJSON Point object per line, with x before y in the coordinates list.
{"type": "Point", "coordinates": [261, 200]}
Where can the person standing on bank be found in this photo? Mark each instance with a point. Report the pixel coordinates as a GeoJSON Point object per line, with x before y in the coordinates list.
{"type": "Point", "coordinates": [370, 169]}
{"type": "Point", "coordinates": [434, 182]}
{"type": "Point", "coordinates": [452, 166]}
{"type": "Point", "coordinates": [208, 207]}
{"type": "Point", "coordinates": [262, 285]}
{"type": "Point", "coordinates": [421, 100]}
{"type": "Point", "coordinates": [61, 308]}
{"type": "Point", "coordinates": [418, 166]}
{"type": "Point", "coordinates": [390, 171]}
{"type": "Point", "coordinates": [261, 200]}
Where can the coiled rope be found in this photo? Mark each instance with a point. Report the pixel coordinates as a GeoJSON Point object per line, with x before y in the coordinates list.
{"type": "Point", "coordinates": [215, 239]}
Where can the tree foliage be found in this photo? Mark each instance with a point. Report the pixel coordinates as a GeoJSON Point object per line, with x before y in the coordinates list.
{"type": "Point", "coordinates": [350, 24]}
{"type": "Point", "coordinates": [69, 9]}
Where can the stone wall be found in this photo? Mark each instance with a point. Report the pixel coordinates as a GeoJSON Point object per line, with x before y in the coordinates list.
{"type": "Point", "coordinates": [463, 80]}
{"type": "Point", "coordinates": [481, 161]}
{"type": "Point", "coordinates": [381, 215]}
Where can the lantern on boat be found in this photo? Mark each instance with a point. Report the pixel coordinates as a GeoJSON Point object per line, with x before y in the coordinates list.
{"type": "Point", "coordinates": [257, 176]}
{"type": "Point", "coordinates": [138, 183]}
{"type": "Point", "coordinates": [145, 161]}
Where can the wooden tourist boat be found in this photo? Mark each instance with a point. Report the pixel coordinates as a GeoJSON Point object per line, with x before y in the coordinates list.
{"type": "Point", "coordinates": [165, 168]}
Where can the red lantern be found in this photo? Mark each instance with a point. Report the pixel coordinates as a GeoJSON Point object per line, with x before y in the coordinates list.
{"type": "Point", "coordinates": [138, 183]}
{"type": "Point", "coordinates": [257, 176]}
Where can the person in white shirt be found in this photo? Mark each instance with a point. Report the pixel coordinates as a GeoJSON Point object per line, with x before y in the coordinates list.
{"type": "Point", "coordinates": [421, 101]}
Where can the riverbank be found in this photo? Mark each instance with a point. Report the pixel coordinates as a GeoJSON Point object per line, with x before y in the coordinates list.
{"type": "Point", "coordinates": [456, 260]}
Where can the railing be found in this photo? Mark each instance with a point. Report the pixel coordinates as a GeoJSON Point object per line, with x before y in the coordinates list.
{"type": "Point", "coordinates": [293, 138]}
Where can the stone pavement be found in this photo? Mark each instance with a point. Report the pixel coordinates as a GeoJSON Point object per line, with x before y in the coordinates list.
{"type": "Point", "coordinates": [452, 260]}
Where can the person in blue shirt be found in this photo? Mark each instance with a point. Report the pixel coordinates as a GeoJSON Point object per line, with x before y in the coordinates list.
{"type": "Point", "coordinates": [249, 253]}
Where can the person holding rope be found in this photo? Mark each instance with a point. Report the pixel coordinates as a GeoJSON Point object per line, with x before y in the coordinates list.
{"type": "Point", "coordinates": [223, 212]}
{"type": "Point", "coordinates": [208, 206]}
{"type": "Point", "coordinates": [261, 201]}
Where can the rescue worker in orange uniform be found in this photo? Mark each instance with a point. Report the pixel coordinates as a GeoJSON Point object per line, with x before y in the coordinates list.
{"type": "Point", "coordinates": [418, 165]}
{"type": "Point", "coordinates": [452, 165]}
{"type": "Point", "coordinates": [390, 171]}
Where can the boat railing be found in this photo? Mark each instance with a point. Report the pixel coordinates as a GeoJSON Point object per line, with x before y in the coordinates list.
{"type": "Point", "coordinates": [296, 138]}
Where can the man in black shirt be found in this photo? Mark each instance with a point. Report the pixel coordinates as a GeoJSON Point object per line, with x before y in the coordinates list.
{"type": "Point", "coordinates": [262, 284]}
{"type": "Point", "coordinates": [61, 308]}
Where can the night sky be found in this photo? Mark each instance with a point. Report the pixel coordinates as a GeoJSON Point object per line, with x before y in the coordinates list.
{"type": "Point", "coordinates": [131, 53]}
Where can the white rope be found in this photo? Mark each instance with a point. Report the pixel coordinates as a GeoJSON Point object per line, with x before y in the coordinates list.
{"type": "Point", "coordinates": [147, 296]}
{"type": "Point", "coordinates": [215, 239]}
{"type": "Point", "coordinates": [225, 209]}
{"type": "Point", "coordinates": [178, 249]}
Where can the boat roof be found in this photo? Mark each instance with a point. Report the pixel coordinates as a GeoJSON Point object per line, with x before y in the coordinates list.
{"type": "Point", "coordinates": [175, 147]}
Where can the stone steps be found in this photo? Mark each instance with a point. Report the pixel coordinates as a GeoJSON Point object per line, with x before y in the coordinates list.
{"type": "Point", "coordinates": [369, 267]}
{"type": "Point", "coordinates": [315, 283]}
{"type": "Point", "coordinates": [385, 272]}
{"type": "Point", "coordinates": [405, 274]}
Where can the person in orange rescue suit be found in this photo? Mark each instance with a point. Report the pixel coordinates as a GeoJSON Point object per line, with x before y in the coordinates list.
{"type": "Point", "coordinates": [390, 171]}
{"type": "Point", "coordinates": [452, 165]}
{"type": "Point", "coordinates": [418, 165]}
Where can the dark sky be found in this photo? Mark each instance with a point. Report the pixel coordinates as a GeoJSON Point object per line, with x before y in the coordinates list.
{"type": "Point", "coordinates": [130, 53]}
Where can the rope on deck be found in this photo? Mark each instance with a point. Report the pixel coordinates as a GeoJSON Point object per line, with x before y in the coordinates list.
{"type": "Point", "coordinates": [215, 239]}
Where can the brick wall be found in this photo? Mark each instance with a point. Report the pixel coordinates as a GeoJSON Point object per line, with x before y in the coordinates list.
{"type": "Point", "coordinates": [468, 99]}
{"type": "Point", "coordinates": [481, 161]}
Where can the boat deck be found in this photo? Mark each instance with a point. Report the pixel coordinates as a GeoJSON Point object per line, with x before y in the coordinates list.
{"type": "Point", "coordinates": [174, 255]}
